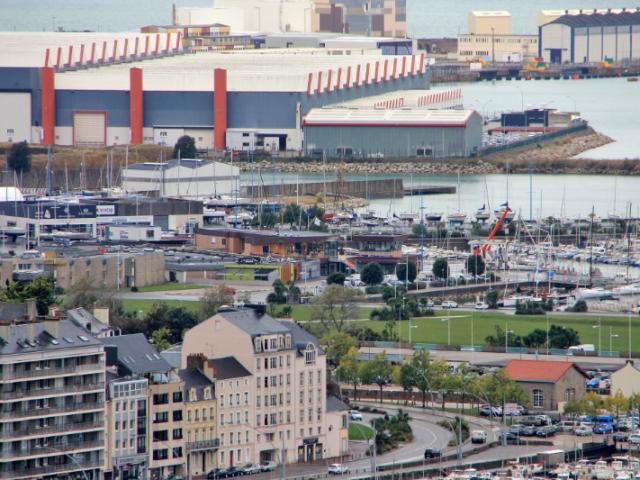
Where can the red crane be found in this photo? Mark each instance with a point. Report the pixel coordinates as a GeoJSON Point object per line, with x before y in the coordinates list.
{"type": "Point", "coordinates": [496, 228]}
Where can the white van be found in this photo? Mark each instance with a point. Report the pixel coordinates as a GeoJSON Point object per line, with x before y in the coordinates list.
{"type": "Point", "coordinates": [478, 436]}
{"type": "Point", "coordinates": [581, 349]}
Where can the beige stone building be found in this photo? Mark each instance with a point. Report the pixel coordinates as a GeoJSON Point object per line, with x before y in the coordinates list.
{"type": "Point", "coordinates": [626, 380]}
{"type": "Point", "coordinates": [200, 423]}
{"type": "Point", "coordinates": [549, 384]}
{"type": "Point", "coordinates": [286, 393]}
{"type": "Point", "coordinates": [490, 38]}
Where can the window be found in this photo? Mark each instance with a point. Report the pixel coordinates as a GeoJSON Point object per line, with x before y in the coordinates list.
{"type": "Point", "coordinates": [288, 398]}
{"type": "Point", "coordinates": [288, 416]}
{"type": "Point", "coordinates": [177, 452]}
{"type": "Point", "coordinates": [301, 397]}
{"type": "Point", "coordinates": [258, 364]}
{"type": "Point", "coordinates": [237, 399]}
{"type": "Point", "coordinates": [207, 393]}
{"type": "Point", "coordinates": [246, 398]}
{"type": "Point", "coordinates": [177, 397]}
{"type": "Point", "coordinates": [301, 378]}
{"type": "Point", "coordinates": [161, 398]}
{"type": "Point", "coordinates": [319, 377]}
{"type": "Point", "coordinates": [538, 398]}
{"type": "Point", "coordinates": [258, 401]}
{"type": "Point", "coordinates": [177, 433]}
{"type": "Point", "coordinates": [570, 394]}
{"type": "Point", "coordinates": [288, 378]}
{"type": "Point", "coordinates": [222, 439]}
{"type": "Point", "coordinates": [246, 416]}
{"type": "Point", "coordinates": [288, 359]}
{"type": "Point", "coordinates": [280, 361]}
{"type": "Point", "coordinates": [310, 355]}
{"type": "Point", "coordinates": [221, 418]}
{"type": "Point", "coordinates": [259, 381]}
{"type": "Point", "coordinates": [177, 415]}
{"type": "Point", "coordinates": [161, 454]}
{"type": "Point", "coordinates": [274, 381]}
{"type": "Point", "coordinates": [273, 362]}
{"type": "Point", "coordinates": [230, 399]}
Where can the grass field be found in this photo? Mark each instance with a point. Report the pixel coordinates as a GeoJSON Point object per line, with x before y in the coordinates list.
{"type": "Point", "coordinates": [302, 313]}
{"type": "Point", "coordinates": [434, 329]}
{"type": "Point", "coordinates": [134, 305]}
{"type": "Point", "coordinates": [357, 431]}
{"type": "Point", "coordinates": [171, 287]}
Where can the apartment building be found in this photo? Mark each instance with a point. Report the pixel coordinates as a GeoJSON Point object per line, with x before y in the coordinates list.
{"type": "Point", "coordinates": [144, 410]}
{"type": "Point", "coordinates": [52, 376]}
{"type": "Point", "coordinates": [289, 384]}
{"type": "Point", "coordinates": [200, 425]}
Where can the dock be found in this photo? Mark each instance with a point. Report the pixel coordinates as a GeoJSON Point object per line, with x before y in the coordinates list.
{"type": "Point", "coordinates": [430, 190]}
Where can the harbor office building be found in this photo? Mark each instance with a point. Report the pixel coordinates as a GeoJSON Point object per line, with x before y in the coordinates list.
{"type": "Point", "coordinates": [591, 36]}
{"type": "Point", "coordinates": [397, 133]}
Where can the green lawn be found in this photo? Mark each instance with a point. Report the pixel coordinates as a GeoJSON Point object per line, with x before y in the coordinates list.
{"type": "Point", "coordinates": [302, 313]}
{"type": "Point", "coordinates": [357, 431]}
{"type": "Point", "coordinates": [171, 287]}
{"type": "Point", "coordinates": [434, 329]}
{"type": "Point", "coordinates": [134, 305]}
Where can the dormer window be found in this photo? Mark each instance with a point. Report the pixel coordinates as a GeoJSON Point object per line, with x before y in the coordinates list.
{"type": "Point", "coordinates": [207, 393]}
{"type": "Point", "coordinates": [310, 354]}
{"type": "Point", "coordinates": [258, 344]}
{"type": "Point", "coordinates": [192, 395]}
{"type": "Point", "coordinates": [287, 341]}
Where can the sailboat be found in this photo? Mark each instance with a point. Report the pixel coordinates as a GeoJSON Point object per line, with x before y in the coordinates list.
{"type": "Point", "coordinates": [457, 218]}
{"type": "Point", "coordinates": [500, 211]}
{"type": "Point", "coordinates": [483, 214]}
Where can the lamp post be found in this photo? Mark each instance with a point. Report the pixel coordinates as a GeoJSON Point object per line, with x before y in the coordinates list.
{"type": "Point", "coordinates": [448, 320]}
{"type": "Point", "coordinates": [611, 337]}
{"type": "Point", "coordinates": [599, 327]}
{"type": "Point", "coordinates": [410, 328]}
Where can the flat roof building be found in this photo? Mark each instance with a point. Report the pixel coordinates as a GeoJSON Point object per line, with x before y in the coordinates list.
{"type": "Point", "coordinates": [403, 133]}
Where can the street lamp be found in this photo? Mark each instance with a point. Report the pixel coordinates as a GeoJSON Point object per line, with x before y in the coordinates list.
{"type": "Point", "coordinates": [448, 320]}
{"type": "Point", "coordinates": [410, 328]}
{"type": "Point", "coordinates": [599, 327]}
{"type": "Point", "coordinates": [611, 337]}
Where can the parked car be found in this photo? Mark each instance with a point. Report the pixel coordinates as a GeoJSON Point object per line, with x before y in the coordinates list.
{"type": "Point", "coordinates": [488, 411]}
{"type": "Point", "coordinates": [478, 436]}
{"type": "Point", "coordinates": [234, 472]}
{"type": "Point", "coordinates": [529, 431]}
{"type": "Point", "coordinates": [621, 436]}
{"type": "Point", "coordinates": [217, 473]}
{"type": "Point", "coordinates": [432, 453]}
{"type": "Point", "coordinates": [481, 306]}
{"type": "Point", "coordinates": [355, 415]}
{"type": "Point", "coordinates": [516, 429]}
{"type": "Point", "coordinates": [337, 469]}
{"type": "Point", "coordinates": [603, 428]}
{"type": "Point", "coordinates": [567, 426]}
{"type": "Point", "coordinates": [583, 431]}
{"type": "Point", "coordinates": [248, 260]}
{"type": "Point", "coordinates": [449, 304]}
{"type": "Point", "coordinates": [546, 431]}
{"type": "Point", "coordinates": [268, 466]}
{"type": "Point", "coordinates": [634, 438]}
{"type": "Point", "coordinates": [510, 437]}
{"type": "Point", "coordinates": [251, 468]}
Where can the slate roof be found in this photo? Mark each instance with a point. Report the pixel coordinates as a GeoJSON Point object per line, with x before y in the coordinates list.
{"type": "Point", "coordinates": [84, 319]}
{"type": "Point", "coordinates": [135, 354]}
{"type": "Point", "coordinates": [36, 337]}
{"type": "Point", "coordinates": [609, 19]}
{"type": "Point", "coordinates": [193, 378]}
{"type": "Point", "coordinates": [541, 371]}
{"type": "Point", "coordinates": [228, 367]}
{"type": "Point", "coordinates": [300, 336]}
{"type": "Point", "coordinates": [250, 322]}
{"type": "Point", "coordinates": [334, 404]}
{"type": "Point", "coordinates": [13, 311]}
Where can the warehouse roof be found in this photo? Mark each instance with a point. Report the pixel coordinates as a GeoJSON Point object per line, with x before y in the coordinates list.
{"type": "Point", "coordinates": [599, 18]}
{"type": "Point", "coordinates": [369, 117]}
{"type": "Point", "coordinates": [542, 371]}
{"type": "Point", "coordinates": [490, 13]}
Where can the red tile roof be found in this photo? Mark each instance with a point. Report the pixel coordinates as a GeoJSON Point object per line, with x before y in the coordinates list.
{"type": "Point", "coordinates": [538, 370]}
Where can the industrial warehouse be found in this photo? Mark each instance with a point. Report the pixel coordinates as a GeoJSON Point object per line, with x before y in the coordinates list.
{"type": "Point", "coordinates": [98, 90]}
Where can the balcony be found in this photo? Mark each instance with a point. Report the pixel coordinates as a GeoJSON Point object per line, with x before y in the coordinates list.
{"type": "Point", "coordinates": [49, 469]}
{"type": "Point", "coordinates": [50, 372]}
{"type": "Point", "coordinates": [66, 428]}
{"type": "Point", "coordinates": [12, 415]}
{"type": "Point", "coordinates": [203, 445]}
{"type": "Point", "coordinates": [50, 451]}
{"type": "Point", "coordinates": [47, 392]}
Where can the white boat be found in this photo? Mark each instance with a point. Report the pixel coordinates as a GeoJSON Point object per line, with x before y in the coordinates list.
{"type": "Point", "coordinates": [482, 214]}
{"type": "Point", "coordinates": [457, 218]}
{"type": "Point", "coordinates": [433, 217]}
{"type": "Point", "coordinates": [510, 302]}
{"type": "Point", "coordinates": [593, 293]}
{"type": "Point", "coordinates": [408, 216]}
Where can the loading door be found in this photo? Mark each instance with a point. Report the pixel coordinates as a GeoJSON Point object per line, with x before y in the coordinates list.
{"type": "Point", "coordinates": [89, 129]}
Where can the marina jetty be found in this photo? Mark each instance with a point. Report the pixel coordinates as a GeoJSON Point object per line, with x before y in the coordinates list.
{"type": "Point", "coordinates": [369, 189]}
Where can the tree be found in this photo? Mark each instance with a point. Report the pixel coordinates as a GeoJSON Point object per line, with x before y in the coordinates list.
{"type": "Point", "coordinates": [580, 306]}
{"type": "Point", "coordinates": [335, 306]}
{"type": "Point", "coordinates": [535, 339]}
{"type": "Point", "coordinates": [284, 293]}
{"type": "Point", "coordinates": [499, 388]}
{"type": "Point", "coordinates": [213, 299]}
{"type": "Point", "coordinates": [402, 271]}
{"type": "Point", "coordinates": [404, 375]}
{"type": "Point", "coordinates": [372, 274]}
{"type": "Point", "coordinates": [616, 403]}
{"type": "Point", "coordinates": [500, 340]}
{"type": "Point", "coordinates": [185, 147]}
{"type": "Point", "coordinates": [491, 299]}
{"type": "Point", "coordinates": [336, 278]}
{"type": "Point", "coordinates": [175, 319]}
{"type": "Point", "coordinates": [293, 214]}
{"type": "Point", "coordinates": [563, 337]}
{"type": "Point", "coordinates": [350, 369]}
{"type": "Point", "coordinates": [377, 370]}
{"type": "Point", "coordinates": [475, 265]}
{"type": "Point", "coordinates": [41, 289]}
{"type": "Point", "coordinates": [19, 158]}
{"type": "Point", "coordinates": [160, 337]}
{"type": "Point", "coordinates": [440, 268]}
{"type": "Point", "coordinates": [266, 219]}
{"type": "Point", "coordinates": [337, 345]}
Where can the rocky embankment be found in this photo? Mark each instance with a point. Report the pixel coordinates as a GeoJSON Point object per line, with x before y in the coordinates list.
{"type": "Point", "coordinates": [554, 156]}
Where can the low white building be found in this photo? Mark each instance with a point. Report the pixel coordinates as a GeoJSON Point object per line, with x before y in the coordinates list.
{"type": "Point", "coordinates": [188, 178]}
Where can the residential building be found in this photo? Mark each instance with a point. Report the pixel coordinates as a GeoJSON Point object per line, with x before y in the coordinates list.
{"type": "Point", "coordinates": [286, 390]}
{"type": "Point", "coordinates": [144, 410]}
{"type": "Point", "coordinates": [549, 384]}
{"type": "Point", "coordinates": [338, 425]}
{"type": "Point", "coordinates": [200, 425]}
{"type": "Point", "coordinates": [52, 376]}
{"type": "Point", "coordinates": [626, 380]}
{"type": "Point", "coordinates": [490, 38]}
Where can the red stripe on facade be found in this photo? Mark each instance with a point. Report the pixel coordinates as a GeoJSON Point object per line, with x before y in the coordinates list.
{"type": "Point", "coordinates": [309, 82]}
{"type": "Point", "coordinates": [48, 105]}
{"type": "Point", "coordinates": [136, 107]}
{"type": "Point", "coordinates": [220, 108]}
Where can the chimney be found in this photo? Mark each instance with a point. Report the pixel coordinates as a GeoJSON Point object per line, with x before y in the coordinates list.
{"type": "Point", "coordinates": [196, 361]}
{"type": "Point", "coordinates": [260, 309]}
{"type": "Point", "coordinates": [32, 311]}
{"type": "Point", "coordinates": [52, 326]}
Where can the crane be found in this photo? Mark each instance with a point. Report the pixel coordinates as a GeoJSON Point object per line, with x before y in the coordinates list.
{"type": "Point", "coordinates": [486, 246]}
